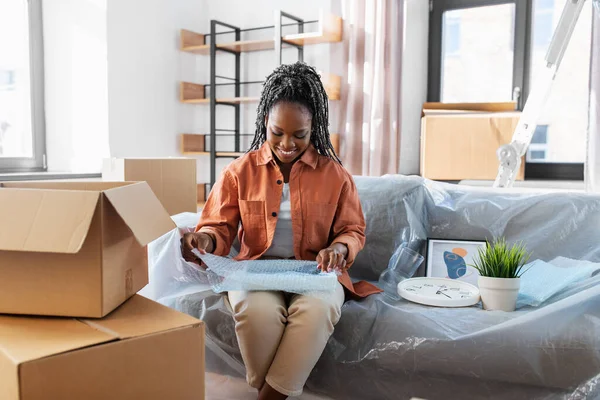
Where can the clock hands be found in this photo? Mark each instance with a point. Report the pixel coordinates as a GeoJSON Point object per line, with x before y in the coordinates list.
{"type": "Point", "coordinates": [439, 291]}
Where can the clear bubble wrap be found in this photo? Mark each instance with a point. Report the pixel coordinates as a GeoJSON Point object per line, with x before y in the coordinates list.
{"type": "Point", "coordinates": [293, 276]}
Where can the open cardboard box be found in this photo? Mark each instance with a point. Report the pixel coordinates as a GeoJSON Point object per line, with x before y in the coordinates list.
{"type": "Point", "coordinates": [173, 180]}
{"type": "Point", "coordinates": [459, 140]}
{"type": "Point", "coordinates": [75, 248]}
{"type": "Point", "coordinates": [142, 350]}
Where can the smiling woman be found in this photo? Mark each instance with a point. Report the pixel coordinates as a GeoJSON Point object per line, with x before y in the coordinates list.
{"type": "Point", "coordinates": [293, 199]}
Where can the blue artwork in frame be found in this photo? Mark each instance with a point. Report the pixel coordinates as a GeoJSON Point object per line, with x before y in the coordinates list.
{"type": "Point", "coordinates": [452, 259]}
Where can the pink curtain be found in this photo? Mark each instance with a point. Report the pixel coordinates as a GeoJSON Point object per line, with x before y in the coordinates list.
{"type": "Point", "coordinates": [370, 112]}
{"type": "Point", "coordinates": [592, 168]}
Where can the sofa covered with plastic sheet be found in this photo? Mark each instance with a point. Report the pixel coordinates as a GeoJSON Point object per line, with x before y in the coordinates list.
{"type": "Point", "coordinates": [383, 349]}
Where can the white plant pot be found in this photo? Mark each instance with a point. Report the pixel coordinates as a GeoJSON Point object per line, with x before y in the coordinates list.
{"type": "Point", "coordinates": [499, 293]}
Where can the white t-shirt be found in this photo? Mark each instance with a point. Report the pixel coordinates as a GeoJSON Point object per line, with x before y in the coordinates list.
{"type": "Point", "coordinates": [283, 239]}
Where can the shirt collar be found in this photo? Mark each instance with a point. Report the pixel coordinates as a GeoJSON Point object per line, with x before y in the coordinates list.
{"type": "Point", "coordinates": [310, 157]}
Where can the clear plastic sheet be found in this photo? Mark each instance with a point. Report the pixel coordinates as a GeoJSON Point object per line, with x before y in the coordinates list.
{"type": "Point", "coordinates": [382, 349]}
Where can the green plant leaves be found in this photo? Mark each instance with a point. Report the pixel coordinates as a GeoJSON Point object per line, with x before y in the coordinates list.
{"type": "Point", "coordinates": [499, 260]}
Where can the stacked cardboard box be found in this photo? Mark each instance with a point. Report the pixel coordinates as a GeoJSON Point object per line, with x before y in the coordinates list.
{"type": "Point", "coordinates": [459, 141]}
{"type": "Point", "coordinates": [173, 180]}
{"type": "Point", "coordinates": [72, 257]}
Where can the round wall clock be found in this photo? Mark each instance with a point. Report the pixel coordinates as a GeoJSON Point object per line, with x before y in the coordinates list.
{"type": "Point", "coordinates": [439, 292]}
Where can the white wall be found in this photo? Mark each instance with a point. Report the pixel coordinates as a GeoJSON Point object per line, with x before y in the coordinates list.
{"type": "Point", "coordinates": [144, 68]}
{"type": "Point", "coordinates": [414, 82]}
{"type": "Point", "coordinates": [75, 84]}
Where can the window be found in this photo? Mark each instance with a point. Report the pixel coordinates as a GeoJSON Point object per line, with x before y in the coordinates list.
{"type": "Point", "coordinates": [477, 54]}
{"type": "Point", "coordinates": [540, 136]}
{"type": "Point", "coordinates": [501, 49]}
{"type": "Point", "coordinates": [451, 34]}
{"type": "Point", "coordinates": [544, 23]}
{"type": "Point", "coordinates": [21, 86]}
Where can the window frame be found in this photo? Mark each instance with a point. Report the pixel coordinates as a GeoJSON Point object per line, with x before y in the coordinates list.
{"type": "Point", "coordinates": [521, 71]}
{"type": "Point", "coordinates": [37, 162]}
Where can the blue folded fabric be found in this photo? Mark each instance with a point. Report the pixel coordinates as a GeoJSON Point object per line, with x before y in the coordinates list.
{"type": "Point", "coordinates": [542, 280]}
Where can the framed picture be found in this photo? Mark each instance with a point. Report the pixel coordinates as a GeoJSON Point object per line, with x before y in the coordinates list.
{"type": "Point", "coordinates": [452, 259]}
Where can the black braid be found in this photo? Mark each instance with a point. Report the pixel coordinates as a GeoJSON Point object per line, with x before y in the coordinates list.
{"type": "Point", "coordinates": [296, 83]}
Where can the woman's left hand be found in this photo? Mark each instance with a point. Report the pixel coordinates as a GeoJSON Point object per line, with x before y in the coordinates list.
{"type": "Point", "coordinates": [333, 258]}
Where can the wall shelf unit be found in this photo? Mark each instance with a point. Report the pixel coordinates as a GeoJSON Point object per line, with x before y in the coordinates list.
{"type": "Point", "coordinates": [329, 30]}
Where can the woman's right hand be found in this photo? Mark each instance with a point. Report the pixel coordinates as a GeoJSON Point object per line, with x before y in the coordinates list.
{"type": "Point", "coordinates": [195, 240]}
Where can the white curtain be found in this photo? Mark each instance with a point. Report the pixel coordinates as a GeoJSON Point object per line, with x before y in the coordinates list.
{"type": "Point", "coordinates": [370, 115]}
{"type": "Point", "coordinates": [592, 166]}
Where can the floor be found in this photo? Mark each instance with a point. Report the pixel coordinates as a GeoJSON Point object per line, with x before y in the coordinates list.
{"type": "Point", "coordinates": [219, 387]}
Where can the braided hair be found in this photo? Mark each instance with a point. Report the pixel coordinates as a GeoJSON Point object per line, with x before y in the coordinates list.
{"type": "Point", "coordinates": [296, 83]}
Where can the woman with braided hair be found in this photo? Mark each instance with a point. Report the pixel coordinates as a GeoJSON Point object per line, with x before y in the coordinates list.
{"type": "Point", "coordinates": [294, 200]}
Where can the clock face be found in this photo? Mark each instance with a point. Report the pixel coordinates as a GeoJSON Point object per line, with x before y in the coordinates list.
{"type": "Point", "coordinates": [440, 292]}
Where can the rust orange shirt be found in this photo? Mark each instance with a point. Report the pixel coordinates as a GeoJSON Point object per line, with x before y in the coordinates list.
{"type": "Point", "coordinates": [325, 209]}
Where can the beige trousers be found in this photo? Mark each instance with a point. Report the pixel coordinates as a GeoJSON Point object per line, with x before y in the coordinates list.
{"type": "Point", "coordinates": [282, 335]}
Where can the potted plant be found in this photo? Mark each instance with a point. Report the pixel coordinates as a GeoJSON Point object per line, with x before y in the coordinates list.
{"type": "Point", "coordinates": [500, 267]}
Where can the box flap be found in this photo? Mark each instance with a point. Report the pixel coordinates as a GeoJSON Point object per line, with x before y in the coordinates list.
{"type": "Point", "coordinates": [140, 316]}
{"type": "Point", "coordinates": [141, 211]}
{"type": "Point", "coordinates": [25, 339]}
{"type": "Point", "coordinates": [54, 221]}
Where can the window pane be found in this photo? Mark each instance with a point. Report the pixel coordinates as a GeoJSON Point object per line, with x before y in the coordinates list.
{"type": "Point", "coordinates": [477, 54]}
{"type": "Point", "coordinates": [566, 112]}
{"type": "Point", "coordinates": [16, 138]}
{"type": "Point", "coordinates": [537, 155]}
{"type": "Point", "coordinates": [540, 136]}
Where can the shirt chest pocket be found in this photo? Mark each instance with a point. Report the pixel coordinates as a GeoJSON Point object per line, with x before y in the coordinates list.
{"type": "Point", "coordinates": [319, 221]}
{"type": "Point", "coordinates": [253, 222]}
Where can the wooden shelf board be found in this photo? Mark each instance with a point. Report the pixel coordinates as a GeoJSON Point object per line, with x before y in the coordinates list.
{"type": "Point", "coordinates": [190, 92]}
{"type": "Point", "coordinates": [190, 39]}
{"type": "Point", "coordinates": [239, 47]}
{"type": "Point", "coordinates": [305, 39]}
{"type": "Point", "coordinates": [192, 142]}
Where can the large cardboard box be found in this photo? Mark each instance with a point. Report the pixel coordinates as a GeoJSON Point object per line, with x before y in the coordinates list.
{"type": "Point", "coordinates": [459, 144]}
{"type": "Point", "coordinates": [75, 249]}
{"type": "Point", "coordinates": [173, 180]}
{"type": "Point", "coordinates": [142, 350]}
